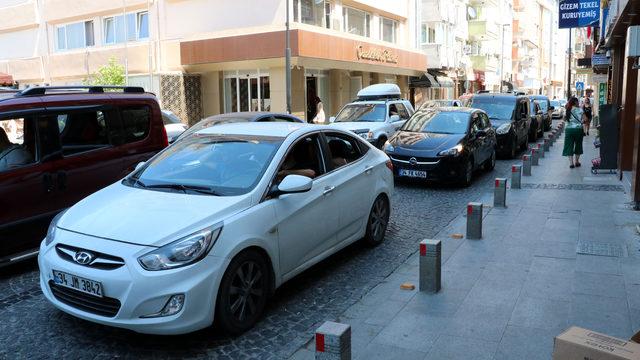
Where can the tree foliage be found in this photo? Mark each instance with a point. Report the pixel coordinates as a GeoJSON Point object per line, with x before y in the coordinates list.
{"type": "Point", "coordinates": [110, 74]}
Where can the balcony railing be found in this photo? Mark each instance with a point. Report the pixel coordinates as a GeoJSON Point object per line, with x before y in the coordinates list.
{"type": "Point", "coordinates": [483, 30]}
{"type": "Point", "coordinates": [484, 62]}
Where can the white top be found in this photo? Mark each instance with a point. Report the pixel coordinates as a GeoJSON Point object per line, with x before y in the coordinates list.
{"type": "Point", "coordinates": [320, 117]}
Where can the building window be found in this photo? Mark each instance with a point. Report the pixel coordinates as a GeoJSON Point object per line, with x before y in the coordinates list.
{"type": "Point", "coordinates": [427, 34]}
{"type": "Point", "coordinates": [388, 29]}
{"type": "Point", "coordinates": [129, 27]}
{"type": "Point", "coordinates": [75, 36]}
{"type": "Point", "coordinates": [356, 21]}
{"type": "Point", "coordinates": [312, 12]}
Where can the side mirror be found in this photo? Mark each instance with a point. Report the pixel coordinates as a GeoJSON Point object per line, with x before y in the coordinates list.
{"type": "Point", "coordinates": [332, 119]}
{"type": "Point", "coordinates": [292, 184]}
{"type": "Point", "coordinates": [394, 118]}
{"type": "Point", "coordinates": [139, 165]}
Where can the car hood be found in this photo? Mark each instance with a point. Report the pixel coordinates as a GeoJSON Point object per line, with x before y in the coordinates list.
{"type": "Point", "coordinates": [423, 144]}
{"type": "Point", "coordinates": [148, 217]}
{"type": "Point", "coordinates": [495, 123]}
{"type": "Point", "coordinates": [358, 126]}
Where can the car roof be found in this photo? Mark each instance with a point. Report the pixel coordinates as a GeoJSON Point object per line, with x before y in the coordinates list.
{"type": "Point", "coordinates": [539, 97]}
{"type": "Point", "coordinates": [276, 129]}
{"type": "Point", "coordinates": [248, 115]}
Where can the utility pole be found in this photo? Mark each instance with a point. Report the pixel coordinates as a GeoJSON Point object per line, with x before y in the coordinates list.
{"type": "Point", "coordinates": [287, 62]}
{"type": "Point", "coordinates": [569, 69]}
{"type": "Point", "coordinates": [502, 56]}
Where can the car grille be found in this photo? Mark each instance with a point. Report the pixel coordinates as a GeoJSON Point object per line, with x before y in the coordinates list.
{"type": "Point", "coordinates": [104, 306]}
{"type": "Point", "coordinates": [420, 160]}
{"type": "Point", "coordinates": [100, 260]}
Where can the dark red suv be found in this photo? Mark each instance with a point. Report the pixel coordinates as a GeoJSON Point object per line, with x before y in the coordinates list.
{"type": "Point", "coordinates": [60, 144]}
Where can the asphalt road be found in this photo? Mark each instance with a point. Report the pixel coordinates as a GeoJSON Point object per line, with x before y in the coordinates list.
{"type": "Point", "coordinates": [32, 328]}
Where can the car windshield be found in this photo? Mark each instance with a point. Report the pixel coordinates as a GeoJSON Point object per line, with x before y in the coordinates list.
{"type": "Point", "coordinates": [555, 103]}
{"type": "Point", "coordinates": [440, 122]}
{"type": "Point", "coordinates": [362, 112]}
{"type": "Point", "coordinates": [497, 109]}
{"type": "Point", "coordinates": [224, 165]}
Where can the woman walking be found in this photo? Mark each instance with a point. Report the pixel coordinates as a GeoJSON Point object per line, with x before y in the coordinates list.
{"type": "Point", "coordinates": [588, 115]}
{"type": "Point", "coordinates": [320, 117]}
{"type": "Point", "coordinates": [574, 132]}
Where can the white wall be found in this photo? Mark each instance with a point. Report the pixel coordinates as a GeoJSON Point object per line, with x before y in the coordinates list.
{"type": "Point", "coordinates": [5, 3]}
{"type": "Point", "coordinates": [18, 44]}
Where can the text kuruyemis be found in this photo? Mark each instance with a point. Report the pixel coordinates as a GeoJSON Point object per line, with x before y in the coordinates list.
{"type": "Point", "coordinates": [581, 14]}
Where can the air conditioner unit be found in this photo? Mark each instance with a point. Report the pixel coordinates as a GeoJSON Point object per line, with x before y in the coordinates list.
{"type": "Point", "coordinates": [633, 41]}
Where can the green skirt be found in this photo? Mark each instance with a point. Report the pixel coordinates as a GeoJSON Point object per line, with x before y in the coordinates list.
{"type": "Point", "coordinates": [572, 142]}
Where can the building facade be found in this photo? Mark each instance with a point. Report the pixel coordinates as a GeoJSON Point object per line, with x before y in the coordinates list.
{"type": "Point", "coordinates": [202, 57]}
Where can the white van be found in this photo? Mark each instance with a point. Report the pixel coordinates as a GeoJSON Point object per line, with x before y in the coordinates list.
{"type": "Point", "coordinates": [376, 115]}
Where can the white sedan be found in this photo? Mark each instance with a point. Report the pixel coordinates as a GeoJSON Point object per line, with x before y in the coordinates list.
{"type": "Point", "coordinates": [209, 227]}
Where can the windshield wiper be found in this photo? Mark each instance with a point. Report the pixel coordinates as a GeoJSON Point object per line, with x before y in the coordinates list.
{"type": "Point", "coordinates": [185, 188]}
{"type": "Point", "coordinates": [136, 181]}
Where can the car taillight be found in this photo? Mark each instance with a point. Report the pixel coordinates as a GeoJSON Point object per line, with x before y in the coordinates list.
{"type": "Point", "coordinates": [165, 138]}
{"type": "Point", "coordinates": [389, 165]}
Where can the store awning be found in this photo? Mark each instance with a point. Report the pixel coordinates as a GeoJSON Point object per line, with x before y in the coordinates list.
{"type": "Point", "coordinates": [6, 79]}
{"type": "Point", "coordinates": [425, 80]}
{"type": "Point", "coordinates": [445, 81]}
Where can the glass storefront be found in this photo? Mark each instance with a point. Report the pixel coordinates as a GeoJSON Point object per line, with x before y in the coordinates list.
{"type": "Point", "coordinates": [246, 91]}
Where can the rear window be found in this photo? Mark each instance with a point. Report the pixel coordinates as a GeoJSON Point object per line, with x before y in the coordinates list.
{"type": "Point", "coordinates": [135, 123]}
{"type": "Point", "coordinates": [82, 131]}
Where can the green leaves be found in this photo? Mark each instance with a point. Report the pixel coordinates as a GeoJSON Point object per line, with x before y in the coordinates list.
{"type": "Point", "coordinates": [110, 74]}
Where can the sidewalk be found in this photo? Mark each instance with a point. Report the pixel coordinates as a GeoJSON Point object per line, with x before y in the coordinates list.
{"type": "Point", "coordinates": [506, 296]}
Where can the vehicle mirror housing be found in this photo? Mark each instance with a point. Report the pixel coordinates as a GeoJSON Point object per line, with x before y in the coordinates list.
{"type": "Point", "coordinates": [332, 119]}
{"type": "Point", "coordinates": [394, 118]}
{"type": "Point", "coordinates": [139, 165]}
{"type": "Point", "coordinates": [292, 184]}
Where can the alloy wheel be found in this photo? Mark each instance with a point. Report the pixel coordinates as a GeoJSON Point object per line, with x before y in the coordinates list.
{"type": "Point", "coordinates": [378, 221]}
{"type": "Point", "coordinates": [246, 291]}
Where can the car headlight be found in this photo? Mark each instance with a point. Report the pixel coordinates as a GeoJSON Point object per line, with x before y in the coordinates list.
{"type": "Point", "coordinates": [454, 151]}
{"type": "Point", "coordinates": [503, 129]}
{"type": "Point", "coordinates": [388, 147]}
{"type": "Point", "coordinates": [182, 252]}
{"type": "Point", "coordinates": [51, 231]}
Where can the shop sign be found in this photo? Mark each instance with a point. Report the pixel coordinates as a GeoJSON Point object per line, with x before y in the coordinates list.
{"type": "Point", "coordinates": [578, 13]}
{"type": "Point", "coordinates": [602, 93]}
{"type": "Point", "coordinates": [376, 54]}
{"type": "Point", "coordinates": [600, 60]}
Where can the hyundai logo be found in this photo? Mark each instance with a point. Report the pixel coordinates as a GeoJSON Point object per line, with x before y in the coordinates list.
{"type": "Point", "coordinates": [413, 161]}
{"type": "Point", "coordinates": [83, 257]}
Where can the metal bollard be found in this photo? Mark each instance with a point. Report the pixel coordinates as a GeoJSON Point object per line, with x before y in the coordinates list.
{"type": "Point", "coordinates": [534, 157]}
{"type": "Point", "coordinates": [526, 165]}
{"type": "Point", "coordinates": [474, 220]}
{"type": "Point", "coordinates": [333, 341]}
{"type": "Point", "coordinates": [540, 149]}
{"type": "Point", "coordinates": [546, 143]}
{"type": "Point", "coordinates": [500, 193]}
{"type": "Point", "coordinates": [430, 265]}
{"type": "Point", "coordinates": [552, 139]}
{"type": "Point", "coordinates": [516, 176]}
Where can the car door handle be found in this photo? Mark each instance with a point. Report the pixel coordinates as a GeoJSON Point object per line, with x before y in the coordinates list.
{"type": "Point", "coordinates": [328, 190]}
{"type": "Point", "coordinates": [368, 169]}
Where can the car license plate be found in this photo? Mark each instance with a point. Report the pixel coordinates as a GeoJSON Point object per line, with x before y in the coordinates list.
{"type": "Point", "coordinates": [77, 283]}
{"type": "Point", "coordinates": [413, 173]}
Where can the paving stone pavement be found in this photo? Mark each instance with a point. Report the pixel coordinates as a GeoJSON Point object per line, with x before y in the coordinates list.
{"type": "Point", "coordinates": [31, 328]}
{"type": "Point", "coordinates": [507, 295]}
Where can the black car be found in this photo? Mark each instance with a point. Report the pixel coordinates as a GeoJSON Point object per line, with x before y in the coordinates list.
{"type": "Point", "coordinates": [509, 115]}
{"type": "Point", "coordinates": [536, 129]}
{"type": "Point", "coordinates": [546, 108]}
{"type": "Point", "coordinates": [443, 144]}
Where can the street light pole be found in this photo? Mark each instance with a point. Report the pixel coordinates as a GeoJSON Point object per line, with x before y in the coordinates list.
{"type": "Point", "coordinates": [569, 70]}
{"type": "Point", "coordinates": [502, 56]}
{"type": "Point", "coordinates": [287, 62]}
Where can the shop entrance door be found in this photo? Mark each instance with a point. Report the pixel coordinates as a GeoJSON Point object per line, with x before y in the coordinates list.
{"type": "Point", "coordinates": [312, 94]}
{"type": "Point", "coordinates": [247, 93]}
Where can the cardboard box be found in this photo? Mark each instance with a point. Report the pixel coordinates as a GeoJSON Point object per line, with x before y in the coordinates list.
{"type": "Point", "coordinates": [582, 344]}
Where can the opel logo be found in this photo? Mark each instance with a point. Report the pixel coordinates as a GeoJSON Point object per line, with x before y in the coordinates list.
{"type": "Point", "coordinates": [413, 161]}
{"type": "Point", "coordinates": [83, 257]}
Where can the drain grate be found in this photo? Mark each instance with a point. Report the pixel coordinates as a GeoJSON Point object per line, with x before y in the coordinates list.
{"type": "Point", "coordinates": [600, 249]}
{"type": "Point", "coordinates": [589, 187]}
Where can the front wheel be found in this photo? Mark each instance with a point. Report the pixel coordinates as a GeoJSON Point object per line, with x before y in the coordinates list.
{"type": "Point", "coordinates": [243, 291]}
{"type": "Point", "coordinates": [378, 221]}
{"type": "Point", "coordinates": [467, 176]}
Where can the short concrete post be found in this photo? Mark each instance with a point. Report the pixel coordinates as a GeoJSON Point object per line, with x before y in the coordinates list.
{"type": "Point", "coordinates": [546, 143]}
{"type": "Point", "coordinates": [474, 220]}
{"type": "Point", "coordinates": [516, 176]}
{"type": "Point", "coordinates": [551, 140]}
{"type": "Point", "coordinates": [430, 265]}
{"type": "Point", "coordinates": [526, 165]}
{"type": "Point", "coordinates": [500, 193]}
{"type": "Point", "coordinates": [333, 341]}
{"type": "Point", "coordinates": [534, 156]}
{"type": "Point", "coordinates": [540, 148]}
